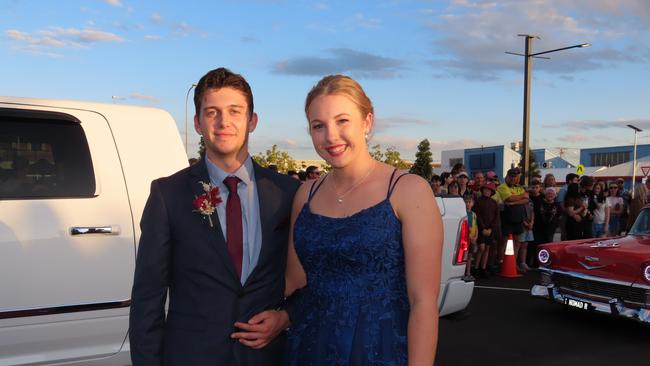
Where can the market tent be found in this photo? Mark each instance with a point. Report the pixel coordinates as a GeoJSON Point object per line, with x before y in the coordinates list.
{"type": "Point", "coordinates": [625, 170]}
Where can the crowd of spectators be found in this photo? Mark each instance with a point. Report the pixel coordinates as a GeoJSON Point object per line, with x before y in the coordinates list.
{"type": "Point", "coordinates": [540, 213]}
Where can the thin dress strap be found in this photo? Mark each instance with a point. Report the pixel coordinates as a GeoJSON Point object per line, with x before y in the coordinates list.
{"type": "Point", "coordinates": [391, 185]}
{"type": "Point", "coordinates": [313, 191]}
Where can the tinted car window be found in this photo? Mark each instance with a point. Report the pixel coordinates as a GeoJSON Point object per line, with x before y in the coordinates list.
{"type": "Point", "coordinates": [642, 224]}
{"type": "Point", "coordinates": [43, 155]}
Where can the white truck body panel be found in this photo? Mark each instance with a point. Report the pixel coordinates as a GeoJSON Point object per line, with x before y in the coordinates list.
{"type": "Point", "coordinates": [43, 266]}
{"type": "Point", "coordinates": [455, 291]}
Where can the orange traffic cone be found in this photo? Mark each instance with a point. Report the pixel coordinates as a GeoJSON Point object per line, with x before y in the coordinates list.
{"type": "Point", "coordinates": [509, 265]}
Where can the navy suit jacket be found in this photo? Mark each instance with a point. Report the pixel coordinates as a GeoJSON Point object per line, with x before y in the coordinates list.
{"type": "Point", "coordinates": [181, 254]}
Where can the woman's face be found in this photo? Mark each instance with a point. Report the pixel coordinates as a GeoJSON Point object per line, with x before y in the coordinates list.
{"type": "Point", "coordinates": [550, 181]}
{"type": "Point", "coordinates": [453, 188]}
{"type": "Point", "coordinates": [338, 129]}
{"type": "Point", "coordinates": [549, 195]}
{"type": "Point", "coordinates": [597, 189]}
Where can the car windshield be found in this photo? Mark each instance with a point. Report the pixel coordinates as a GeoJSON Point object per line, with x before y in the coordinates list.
{"type": "Point", "coordinates": [642, 224]}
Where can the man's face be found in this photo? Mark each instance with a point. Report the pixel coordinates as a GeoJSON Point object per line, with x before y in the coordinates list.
{"type": "Point", "coordinates": [224, 123]}
{"type": "Point", "coordinates": [513, 179]}
{"type": "Point", "coordinates": [435, 184]}
{"type": "Point", "coordinates": [534, 189]}
{"type": "Point", "coordinates": [479, 178]}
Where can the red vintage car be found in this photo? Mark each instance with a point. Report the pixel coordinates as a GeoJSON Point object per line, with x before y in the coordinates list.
{"type": "Point", "coordinates": [608, 275]}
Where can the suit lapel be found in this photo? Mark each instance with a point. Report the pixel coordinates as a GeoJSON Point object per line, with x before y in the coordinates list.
{"type": "Point", "coordinates": [214, 234]}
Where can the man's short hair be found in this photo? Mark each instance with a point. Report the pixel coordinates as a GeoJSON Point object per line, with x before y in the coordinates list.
{"type": "Point", "coordinates": [571, 176]}
{"type": "Point", "coordinates": [311, 168]}
{"type": "Point", "coordinates": [222, 78]}
{"type": "Point", "coordinates": [436, 178]}
{"type": "Point", "coordinates": [586, 181]}
{"type": "Point", "coordinates": [513, 172]}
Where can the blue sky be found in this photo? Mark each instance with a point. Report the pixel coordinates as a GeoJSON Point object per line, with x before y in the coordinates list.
{"type": "Point", "coordinates": [434, 69]}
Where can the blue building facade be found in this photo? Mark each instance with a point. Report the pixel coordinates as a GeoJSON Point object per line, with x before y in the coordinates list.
{"type": "Point", "coordinates": [613, 155]}
{"type": "Point", "coordinates": [495, 158]}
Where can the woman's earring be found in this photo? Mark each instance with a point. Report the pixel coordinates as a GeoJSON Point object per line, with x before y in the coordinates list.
{"type": "Point", "coordinates": [366, 136]}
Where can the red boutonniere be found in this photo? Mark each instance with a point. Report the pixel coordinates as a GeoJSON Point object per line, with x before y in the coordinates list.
{"type": "Point", "coordinates": [206, 203]}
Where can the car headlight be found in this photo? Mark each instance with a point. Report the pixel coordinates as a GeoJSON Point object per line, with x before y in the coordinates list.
{"type": "Point", "coordinates": [545, 257]}
{"type": "Point", "coordinates": [646, 272]}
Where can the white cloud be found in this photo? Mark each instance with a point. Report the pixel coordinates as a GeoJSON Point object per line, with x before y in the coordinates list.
{"type": "Point", "coordinates": [583, 126]}
{"type": "Point", "coordinates": [181, 29]}
{"type": "Point", "coordinates": [470, 37]}
{"type": "Point", "coordinates": [114, 2]}
{"type": "Point", "coordinates": [156, 18]}
{"type": "Point", "coordinates": [41, 42]}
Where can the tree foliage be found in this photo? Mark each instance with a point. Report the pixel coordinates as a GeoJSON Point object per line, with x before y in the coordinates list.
{"type": "Point", "coordinates": [276, 157]}
{"type": "Point", "coordinates": [533, 168]}
{"type": "Point", "coordinates": [423, 160]}
{"type": "Point", "coordinates": [201, 147]}
{"type": "Point", "coordinates": [392, 157]}
{"type": "Point", "coordinates": [375, 152]}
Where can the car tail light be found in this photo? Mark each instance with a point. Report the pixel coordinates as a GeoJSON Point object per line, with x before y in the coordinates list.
{"type": "Point", "coordinates": [463, 242]}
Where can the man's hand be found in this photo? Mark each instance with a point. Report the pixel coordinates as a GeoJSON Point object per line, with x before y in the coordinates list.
{"type": "Point", "coordinates": [262, 328]}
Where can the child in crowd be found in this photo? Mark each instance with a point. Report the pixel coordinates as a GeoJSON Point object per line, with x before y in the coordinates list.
{"type": "Point", "coordinates": [473, 231]}
{"type": "Point", "coordinates": [453, 189]}
{"type": "Point", "coordinates": [616, 205]}
{"type": "Point", "coordinates": [487, 215]}
{"type": "Point", "coordinates": [527, 236]}
{"type": "Point", "coordinates": [436, 185]}
{"type": "Point", "coordinates": [536, 198]}
{"type": "Point", "coordinates": [600, 209]}
{"type": "Point", "coordinates": [445, 179]}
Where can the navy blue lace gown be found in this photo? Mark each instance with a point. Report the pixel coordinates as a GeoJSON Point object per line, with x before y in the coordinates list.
{"type": "Point", "coordinates": [354, 310]}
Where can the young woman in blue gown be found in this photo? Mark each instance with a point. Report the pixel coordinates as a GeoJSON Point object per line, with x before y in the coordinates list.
{"type": "Point", "coordinates": [363, 267]}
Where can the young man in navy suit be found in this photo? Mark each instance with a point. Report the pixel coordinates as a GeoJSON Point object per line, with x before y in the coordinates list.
{"type": "Point", "coordinates": [214, 238]}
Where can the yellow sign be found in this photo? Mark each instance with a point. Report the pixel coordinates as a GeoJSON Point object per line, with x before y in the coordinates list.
{"type": "Point", "coordinates": [580, 169]}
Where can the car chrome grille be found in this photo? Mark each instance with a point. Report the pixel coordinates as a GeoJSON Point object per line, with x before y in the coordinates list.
{"type": "Point", "coordinates": [599, 288]}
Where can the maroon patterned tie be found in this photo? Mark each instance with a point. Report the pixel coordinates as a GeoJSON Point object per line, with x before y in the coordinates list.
{"type": "Point", "coordinates": [234, 231]}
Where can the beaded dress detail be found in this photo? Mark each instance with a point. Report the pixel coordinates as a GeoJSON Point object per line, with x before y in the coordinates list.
{"type": "Point", "coordinates": [354, 310]}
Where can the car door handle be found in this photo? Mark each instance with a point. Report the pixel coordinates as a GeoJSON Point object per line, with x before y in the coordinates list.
{"type": "Point", "coordinates": [106, 230]}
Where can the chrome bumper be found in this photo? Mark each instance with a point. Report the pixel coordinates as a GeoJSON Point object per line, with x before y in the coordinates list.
{"type": "Point", "coordinates": [613, 307]}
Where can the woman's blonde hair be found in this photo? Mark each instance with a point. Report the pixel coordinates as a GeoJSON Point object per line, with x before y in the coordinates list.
{"type": "Point", "coordinates": [340, 85]}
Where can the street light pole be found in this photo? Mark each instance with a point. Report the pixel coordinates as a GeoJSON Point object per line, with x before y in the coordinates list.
{"type": "Point", "coordinates": [186, 97]}
{"type": "Point", "coordinates": [528, 70]}
{"type": "Point", "coordinates": [636, 130]}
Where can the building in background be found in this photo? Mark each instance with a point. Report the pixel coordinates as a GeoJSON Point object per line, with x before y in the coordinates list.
{"type": "Point", "coordinates": [612, 155]}
{"type": "Point", "coordinates": [559, 157]}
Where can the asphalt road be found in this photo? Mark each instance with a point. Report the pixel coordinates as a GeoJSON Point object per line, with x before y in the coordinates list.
{"type": "Point", "coordinates": [504, 325]}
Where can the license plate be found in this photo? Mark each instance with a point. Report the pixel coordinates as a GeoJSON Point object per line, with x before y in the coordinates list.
{"type": "Point", "coordinates": [578, 304]}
